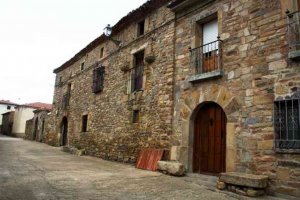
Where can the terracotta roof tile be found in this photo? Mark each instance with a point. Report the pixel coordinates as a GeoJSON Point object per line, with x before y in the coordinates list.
{"type": "Point", "coordinates": [7, 102]}
{"type": "Point", "coordinates": [39, 105]}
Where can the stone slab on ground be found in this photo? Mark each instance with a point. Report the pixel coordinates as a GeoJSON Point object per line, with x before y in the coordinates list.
{"type": "Point", "coordinates": [171, 167]}
{"type": "Point", "coordinates": [243, 179]}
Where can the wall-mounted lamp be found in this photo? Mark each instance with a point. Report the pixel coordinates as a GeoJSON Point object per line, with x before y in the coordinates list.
{"type": "Point", "coordinates": [108, 32]}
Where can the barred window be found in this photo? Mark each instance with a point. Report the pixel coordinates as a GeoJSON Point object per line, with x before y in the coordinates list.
{"type": "Point", "coordinates": [137, 72]}
{"type": "Point", "coordinates": [287, 124]}
{"type": "Point", "coordinates": [98, 79]}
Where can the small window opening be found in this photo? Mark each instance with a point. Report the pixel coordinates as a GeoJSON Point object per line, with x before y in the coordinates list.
{"type": "Point", "coordinates": [102, 52]}
{"type": "Point", "coordinates": [82, 66]}
{"type": "Point", "coordinates": [135, 116]}
{"type": "Point", "coordinates": [84, 123]}
{"type": "Point", "coordinates": [8, 107]}
{"type": "Point", "coordinates": [141, 28]}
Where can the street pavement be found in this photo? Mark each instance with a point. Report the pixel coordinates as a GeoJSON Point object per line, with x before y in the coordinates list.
{"type": "Point", "coordinates": [36, 171]}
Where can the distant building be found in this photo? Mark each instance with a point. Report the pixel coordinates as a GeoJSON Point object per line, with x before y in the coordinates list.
{"type": "Point", "coordinates": [7, 123]}
{"type": "Point", "coordinates": [6, 106]}
{"type": "Point", "coordinates": [36, 127]}
{"type": "Point", "coordinates": [24, 113]}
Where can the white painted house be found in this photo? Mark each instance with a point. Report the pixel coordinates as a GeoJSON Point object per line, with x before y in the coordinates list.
{"type": "Point", "coordinates": [24, 113]}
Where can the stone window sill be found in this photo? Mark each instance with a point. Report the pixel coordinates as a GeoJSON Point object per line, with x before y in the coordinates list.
{"type": "Point", "coordinates": [205, 76]}
{"type": "Point", "coordinates": [288, 151]}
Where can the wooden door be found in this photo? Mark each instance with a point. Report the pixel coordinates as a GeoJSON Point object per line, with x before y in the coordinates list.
{"type": "Point", "coordinates": [210, 140]}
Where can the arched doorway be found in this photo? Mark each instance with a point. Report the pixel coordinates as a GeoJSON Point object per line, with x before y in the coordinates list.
{"type": "Point", "coordinates": [35, 131]}
{"type": "Point", "coordinates": [64, 131]}
{"type": "Point", "coordinates": [209, 150]}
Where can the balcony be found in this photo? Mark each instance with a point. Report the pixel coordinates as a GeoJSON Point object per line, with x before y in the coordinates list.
{"type": "Point", "coordinates": [294, 35]}
{"type": "Point", "coordinates": [206, 61]}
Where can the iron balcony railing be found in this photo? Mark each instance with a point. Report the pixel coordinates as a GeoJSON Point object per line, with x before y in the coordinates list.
{"type": "Point", "coordinates": [207, 58]}
{"type": "Point", "coordinates": [294, 32]}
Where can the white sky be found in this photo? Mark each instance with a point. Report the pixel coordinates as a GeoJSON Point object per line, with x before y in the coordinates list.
{"type": "Point", "coordinates": [37, 36]}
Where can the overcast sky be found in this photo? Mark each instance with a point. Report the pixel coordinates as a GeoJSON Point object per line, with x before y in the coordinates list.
{"type": "Point", "coordinates": [37, 36]}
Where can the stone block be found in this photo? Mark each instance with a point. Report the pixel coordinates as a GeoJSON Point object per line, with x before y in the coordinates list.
{"type": "Point", "coordinates": [221, 185]}
{"type": "Point", "coordinates": [254, 193]}
{"type": "Point", "coordinates": [242, 179]}
{"type": "Point", "coordinates": [173, 168]}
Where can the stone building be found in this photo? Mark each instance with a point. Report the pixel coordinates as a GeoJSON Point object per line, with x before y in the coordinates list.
{"type": "Point", "coordinates": [216, 82]}
{"type": "Point", "coordinates": [109, 101]}
{"type": "Point", "coordinates": [36, 127]}
{"type": "Point", "coordinates": [237, 85]}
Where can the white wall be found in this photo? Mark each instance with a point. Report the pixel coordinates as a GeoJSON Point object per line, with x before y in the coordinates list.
{"type": "Point", "coordinates": [3, 109]}
{"type": "Point", "coordinates": [22, 114]}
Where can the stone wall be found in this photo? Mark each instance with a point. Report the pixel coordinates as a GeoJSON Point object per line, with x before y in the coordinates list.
{"type": "Point", "coordinates": [36, 128]}
{"type": "Point", "coordinates": [29, 129]}
{"type": "Point", "coordinates": [256, 72]}
{"type": "Point", "coordinates": [111, 133]}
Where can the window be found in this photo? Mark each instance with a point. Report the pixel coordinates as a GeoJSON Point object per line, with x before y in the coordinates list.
{"type": "Point", "coordinates": [102, 52]}
{"type": "Point", "coordinates": [135, 116]}
{"type": "Point", "coordinates": [8, 107]}
{"type": "Point", "coordinates": [98, 79]}
{"type": "Point", "coordinates": [206, 55]}
{"type": "Point", "coordinates": [287, 124]}
{"type": "Point", "coordinates": [141, 28]}
{"type": "Point", "coordinates": [84, 123]}
{"type": "Point", "coordinates": [137, 72]}
{"type": "Point", "coordinates": [82, 66]}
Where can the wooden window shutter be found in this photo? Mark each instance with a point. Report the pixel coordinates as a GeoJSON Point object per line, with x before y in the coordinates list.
{"type": "Point", "coordinates": [98, 79]}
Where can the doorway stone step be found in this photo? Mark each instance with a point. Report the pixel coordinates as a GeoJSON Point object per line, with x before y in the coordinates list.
{"type": "Point", "coordinates": [243, 184]}
{"type": "Point", "coordinates": [202, 179]}
{"type": "Point", "coordinates": [243, 179]}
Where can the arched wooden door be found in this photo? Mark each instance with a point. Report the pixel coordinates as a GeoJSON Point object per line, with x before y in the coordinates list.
{"type": "Point", "coordinates": [209, 155]}
{"type": "Point", "coordinates": [64, 131]}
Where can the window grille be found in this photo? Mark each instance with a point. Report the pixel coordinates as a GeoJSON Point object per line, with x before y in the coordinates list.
{"type": "Point", "coordinates": [287, 123]}
{"type": "Point", "coordinates": [98, 79]}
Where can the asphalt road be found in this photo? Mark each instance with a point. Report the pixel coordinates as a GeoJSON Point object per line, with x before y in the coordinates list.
{"type": "Point", "coordinates": [30, 170]}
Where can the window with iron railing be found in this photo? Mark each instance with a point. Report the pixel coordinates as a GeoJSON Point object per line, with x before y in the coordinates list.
{"type": "Point", "coordinates": [294, 35]}
{"type": "Point", "coordinates": [287, 124]}
{"type": "Point", "coordinates": [207, 58]}
{"type": "Point", "coordinates": [137, 72]}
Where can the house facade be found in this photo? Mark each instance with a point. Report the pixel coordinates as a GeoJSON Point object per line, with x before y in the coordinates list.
{"type": "Point", "coordinates": [108, 100]}
{"type": "Point", "coordinates": [237, 89]}
{"type": "Point", "coordinates": [215, 82]}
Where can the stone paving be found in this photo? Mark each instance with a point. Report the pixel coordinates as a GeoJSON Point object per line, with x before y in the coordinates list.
{"type": "Point", "coordinates": [35, 171]}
